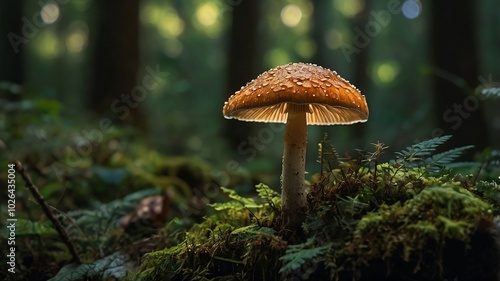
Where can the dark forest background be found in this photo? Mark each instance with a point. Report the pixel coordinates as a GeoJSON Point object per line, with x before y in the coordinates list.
{"type": "Point", "coordinates": [163, 69]}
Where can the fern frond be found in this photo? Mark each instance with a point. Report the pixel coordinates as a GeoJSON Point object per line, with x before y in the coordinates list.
{"type": "Point", "coordinates": [422, 149]}
{"type": "Point", "coordinates": [297, 255]}
{"type": "Point", "coordinates": [442, 160]}
{"type": "Point", "coordinates": [247, 202]}
{"type": "Point", "coordinates": [421, 155]}
{"type": "Point", "coordinates": [253, 230]}
{"type": "Point", "coordinates": [231, 205]}
{"type": "Point", "coordinates": [265, 192]}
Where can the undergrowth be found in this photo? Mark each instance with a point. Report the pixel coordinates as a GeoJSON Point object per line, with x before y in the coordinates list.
{"type": "Point", "coordinates": [411, 217]}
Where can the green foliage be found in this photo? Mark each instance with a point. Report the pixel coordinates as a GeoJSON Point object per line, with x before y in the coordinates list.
{"type": "Point", "coordinates": [238, 204]}
{"type": "Point", "coordinates": [110, 267]}
{"type": "Point", "coordinates": [26, 228]}
{"type": "Point", "coordinates": [92, 179]}
{"type": "Point", "coordinates": [268, 195]}
{"type": "Point", "coordinates": [422, 149]}
{"type": "Point", "coordinates": [94, 228]}
{"type": "Point", "coordinates": [491, 192]}
{"type": "Point", "coordinates": [422, 154]}
{"type": "Point", "coordinates": [225, 245]}
{"type": "Point", "coordinates": [297, 255]}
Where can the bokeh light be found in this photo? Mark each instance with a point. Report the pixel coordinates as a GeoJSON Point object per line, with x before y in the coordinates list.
{"type": "Point", "coordinates": [47, 45]}
{"type": "Point", "coordinates": [385, 72]}
{"type": "Point", "coordinates": [349, 8]}
{"type": "Point", "coordinates": [166, 20]}
{"type": "Point", "coordinates": [207, 14]}
{"type": "Point", "coordinates": [411, 9]}
{"type": "Point", "coordinates": [291, 15]}
{"type": "Point", "coordinates": [171, 25]}
{"type": "Point", "coordinates": [333, 39]}
{"type": "Point", "coordinates": [207, 19]}
{"type": "Point", "coordinates": [49, 13]}
{"type": "Point", "coordinates": [77, 38]}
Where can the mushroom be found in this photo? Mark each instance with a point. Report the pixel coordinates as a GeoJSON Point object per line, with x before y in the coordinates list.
{"type": "Point", "coordinates": [297, 94]}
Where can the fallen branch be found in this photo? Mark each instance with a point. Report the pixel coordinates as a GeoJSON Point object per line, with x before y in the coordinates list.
{"type": "Point", "coordinates": [45, 207]}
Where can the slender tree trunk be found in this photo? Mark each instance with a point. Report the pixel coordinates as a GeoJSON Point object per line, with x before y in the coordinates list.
{"type": "Point", "coordinates": [318, 19]}
{"type": "Point", "coordinates": [116, 62]}
{"type": "Point", "coordinates": [13, 43]}
{"type": "Point", "coordinates": [360, 78]}
{"type": "Point", "coordinates": [242, 62]}
{"type": "Point", "coordinates": [454, 58]}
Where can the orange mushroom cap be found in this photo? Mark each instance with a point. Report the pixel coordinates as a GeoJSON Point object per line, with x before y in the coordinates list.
{"type": "Point", "coordinates": [323, 94]}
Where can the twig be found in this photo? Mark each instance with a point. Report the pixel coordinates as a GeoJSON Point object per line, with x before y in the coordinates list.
{"type": "Point", "coordinates": [45, 207]}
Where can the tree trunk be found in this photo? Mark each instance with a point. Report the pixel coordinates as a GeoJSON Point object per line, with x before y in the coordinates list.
{"type": "Point", "coordinates": [242, 62]}
{"type": "Point", "coordinates": [321, 10]}
{"type": "Point", "coordinates": [360, 78]}
{"type": "Point", "coordinates": [14, 41]}
{"type": "Point", "coordinates": [115, 62]}
{"type": "Point", "coordinates": [454, 57]}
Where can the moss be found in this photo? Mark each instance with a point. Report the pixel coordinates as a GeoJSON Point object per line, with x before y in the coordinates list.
{"type": "Point", "coordinates": [234, 244]}
{"type": "Point", "coordinates": [405, 232]}
{"type": "Point", "coordinates": [221, 252]}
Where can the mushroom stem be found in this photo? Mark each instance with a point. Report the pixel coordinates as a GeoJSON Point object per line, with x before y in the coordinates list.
{"type": "Point", "coordinates": [293, 188]}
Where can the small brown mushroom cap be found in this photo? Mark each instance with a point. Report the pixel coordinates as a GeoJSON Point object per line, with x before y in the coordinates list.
{"type": "Point", "coordinates": [323, 94]}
